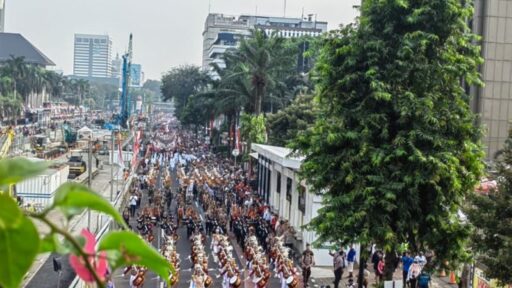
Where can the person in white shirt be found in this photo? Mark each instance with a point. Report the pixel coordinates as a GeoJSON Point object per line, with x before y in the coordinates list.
{"type": "Point", "coordinates": [422, 260]}
{"type": "Point", "coordinates": [133, 204]}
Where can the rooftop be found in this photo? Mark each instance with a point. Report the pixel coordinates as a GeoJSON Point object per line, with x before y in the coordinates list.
{"type": "Point", "coordinates": [15, 45]}
{"type": "Point", "coordinates": [280, 155]}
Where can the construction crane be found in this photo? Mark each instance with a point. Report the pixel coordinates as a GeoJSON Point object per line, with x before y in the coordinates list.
{"type": "Point", "coordinates": [125, 102]}
{"type": "Point", "coordinates": [4, 150]}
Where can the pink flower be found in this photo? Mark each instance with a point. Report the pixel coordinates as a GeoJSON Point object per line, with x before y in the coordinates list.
{"type": "Point", "coordinates": [98, 263]}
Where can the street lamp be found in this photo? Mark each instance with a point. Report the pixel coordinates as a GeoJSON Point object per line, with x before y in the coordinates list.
{"type": "Point", "coordinates": [114, 133]}
{"type": "Point", "coordinates": [89, 176]}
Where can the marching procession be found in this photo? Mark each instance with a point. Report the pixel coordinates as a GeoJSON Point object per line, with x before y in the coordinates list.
{"type": "Point", "coordinates": [185, 187]}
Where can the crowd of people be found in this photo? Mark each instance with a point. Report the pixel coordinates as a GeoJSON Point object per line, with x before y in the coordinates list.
{"type": "Point", "coordinates": [185, 185]}
{"type": "Point", "coordinates": [176, 172]}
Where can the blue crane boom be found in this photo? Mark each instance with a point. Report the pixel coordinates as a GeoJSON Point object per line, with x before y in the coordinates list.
{"type": "Point", "coordinates": [124, 114]}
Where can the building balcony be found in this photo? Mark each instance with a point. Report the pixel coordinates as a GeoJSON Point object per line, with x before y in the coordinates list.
{"type": "Point", "coordinates": [218, 50]}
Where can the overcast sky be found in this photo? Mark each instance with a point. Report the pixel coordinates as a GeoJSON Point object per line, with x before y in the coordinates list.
{"type": "Point", "coordinates": [166, 33]}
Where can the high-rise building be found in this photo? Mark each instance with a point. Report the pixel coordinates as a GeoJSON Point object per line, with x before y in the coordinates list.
{"type": "Point", "coordinates": [2, 15]}
{"type": "Point", "coordinates": [117, 66]}
{"type": "Point", "coordinates": [222, 32]}
{"type": "Point", "coordinates": [493, 102]}
{"type": "Point", "coordinates": [93, 56]}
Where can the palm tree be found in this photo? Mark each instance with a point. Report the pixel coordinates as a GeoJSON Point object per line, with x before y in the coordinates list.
{"type": "Point", "coordinates": [16, 69]}
{"type": "Point", "coordinates": [259, 59]}
{"type": "Point", "coordinates": [54, 83]}
{"type": "Point", "coordinates": [83, 88]}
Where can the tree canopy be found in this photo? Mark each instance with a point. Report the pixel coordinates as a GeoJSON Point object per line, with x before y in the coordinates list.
{"type": "Point", "coordinates": [285, 125]}
{"type": "Point", "coordinates": [395, 150]}
{"type": "Point", "coordinates": [180, 83]}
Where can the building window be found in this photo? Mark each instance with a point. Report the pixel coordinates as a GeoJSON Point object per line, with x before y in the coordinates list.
{"type": "Point", "coordinates": [288, 189]}
{"type": "Point", "coordinates": [302, 199]}
{"type": "Point", "coordinates": [278, 188]}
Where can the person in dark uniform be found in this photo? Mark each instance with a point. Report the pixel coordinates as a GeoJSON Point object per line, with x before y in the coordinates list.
{"type": "Point", "coordinates": [307, 261]}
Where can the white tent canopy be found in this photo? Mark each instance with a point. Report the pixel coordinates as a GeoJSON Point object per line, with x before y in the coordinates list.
{"type": "Point", "coordinates": [84, 132]}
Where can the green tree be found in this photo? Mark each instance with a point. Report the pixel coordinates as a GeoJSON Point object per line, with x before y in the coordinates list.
{"type": "Point", "coordinates": [492, 216]}
{"type": "Point", "coordinates": [262, 60]}
{"type": "Point", "coordinates": [394, 150]}
{"type": "Point", "coordinates": [16, 69]}
{"type": "Point", "coordinates": [285, 125]}
{"type": "Point", "coordinates": [197, 112]}
{"type": "Point", "coordinates": [181, 83]}
{"type": "Point", "coordinates": [81, 87]}
{"type": "Point", "coordinates": [154, 86]}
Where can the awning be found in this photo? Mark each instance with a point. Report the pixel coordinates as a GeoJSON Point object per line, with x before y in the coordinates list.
{"type": "Point", "coordinates": [84, 129]}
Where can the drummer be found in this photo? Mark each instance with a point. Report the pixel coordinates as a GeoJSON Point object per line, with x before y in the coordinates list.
{"type": "Point", "coordinates": [198, 278]}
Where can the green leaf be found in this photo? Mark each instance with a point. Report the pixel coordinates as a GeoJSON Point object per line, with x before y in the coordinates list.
{"type": "Point", "coordinates": [48, 243]}
{"type": "Point", "coordinates": [14, 170]}
{"type": "Point", "coordinates": [52, 243]}
{"type": "Point", "coordinates": [135, 251]}
{"type": "Point", "coordinates": [19, 243]}
{"type": "Point", "coordinates": [72, 197]}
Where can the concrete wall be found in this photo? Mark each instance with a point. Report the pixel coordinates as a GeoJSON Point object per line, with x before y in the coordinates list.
{"type": "Point", "coordinates": [287, 205]}
{"type": "Point", "coordinates": [493, 21]}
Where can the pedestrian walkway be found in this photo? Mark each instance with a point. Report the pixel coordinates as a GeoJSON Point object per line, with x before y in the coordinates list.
{"type": "Point", "coordinates": [321, 277]}
{"type": "Point", "coordinates": [41, 274]}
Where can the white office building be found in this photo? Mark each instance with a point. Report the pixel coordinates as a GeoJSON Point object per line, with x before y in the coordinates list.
{"type": "Point", "coordinates": [280, 187]}
{"type": "Point", "coordinates": [222, 32]}
{"type": "Point", "coordinates": [93, 56]}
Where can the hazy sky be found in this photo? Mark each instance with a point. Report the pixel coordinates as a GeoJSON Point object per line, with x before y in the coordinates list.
{"type": "Point", "coordinates": [166, 33]}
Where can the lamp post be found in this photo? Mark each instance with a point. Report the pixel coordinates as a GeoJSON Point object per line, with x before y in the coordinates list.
{"type": "Point", "coordinates": [114, 132]}
{"type": "Point", "coordinates": [89, 176]}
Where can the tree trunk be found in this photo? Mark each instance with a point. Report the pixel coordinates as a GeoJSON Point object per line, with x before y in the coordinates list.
{"type": "Point", "coordinates": [260, 90]}
{"type": "Point", "coordinates": [362, 264]}
{"type": "Point", "coordinates": [465, 277]}
{"type": "Point", "coordinates": [389, 265]}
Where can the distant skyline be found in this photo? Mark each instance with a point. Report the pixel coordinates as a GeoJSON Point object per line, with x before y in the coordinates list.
{"type": "Point", "coordinates": [167, 33]}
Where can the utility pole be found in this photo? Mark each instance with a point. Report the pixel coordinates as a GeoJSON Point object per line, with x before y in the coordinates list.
{"type": "Point", "coordinates": [284, 12]}
{"type": "Point", "coordinates": [89, 173]}
{"type": "Point", "coordinates": [112, 168]}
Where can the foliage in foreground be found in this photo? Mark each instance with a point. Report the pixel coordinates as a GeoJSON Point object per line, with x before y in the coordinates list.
{"type": "Point", "coordinates": [492, 216]}
{"type": "Point", "coordinates": [20, 242]}
{"type": "Point", "coordinates": [394, 149]}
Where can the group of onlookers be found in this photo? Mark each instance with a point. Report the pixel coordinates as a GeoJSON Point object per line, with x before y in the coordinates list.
{"type": "Point", "coordinates": [413, 268]}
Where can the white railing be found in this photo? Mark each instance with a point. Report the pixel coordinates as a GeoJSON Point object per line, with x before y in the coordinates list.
{"type": "Point", "coordinates": [118, 202]}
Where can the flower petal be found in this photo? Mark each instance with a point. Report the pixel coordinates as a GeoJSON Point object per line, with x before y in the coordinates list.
{"type": "Point", "coordinates": [101, 265]}
{"type": "Point", "coordinates": [90, 241]}
{"type": "Point", "coordinates": [78, 265]}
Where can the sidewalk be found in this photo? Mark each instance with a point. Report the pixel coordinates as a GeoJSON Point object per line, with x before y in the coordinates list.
{"type": "Point", "coordinates": [323, 276]}
{"type": "Point", "coordinates": [100, 184]}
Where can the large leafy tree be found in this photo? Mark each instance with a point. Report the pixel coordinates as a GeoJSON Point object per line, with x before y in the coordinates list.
{"type": "Point", "coordinates": [492, 216]}
{"type": "Point", "coordinates": [285, 125]}
{"type": "Point", "coordinates": [181, 83]}
{"type": "Point", "coordinates": [394, 150]}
